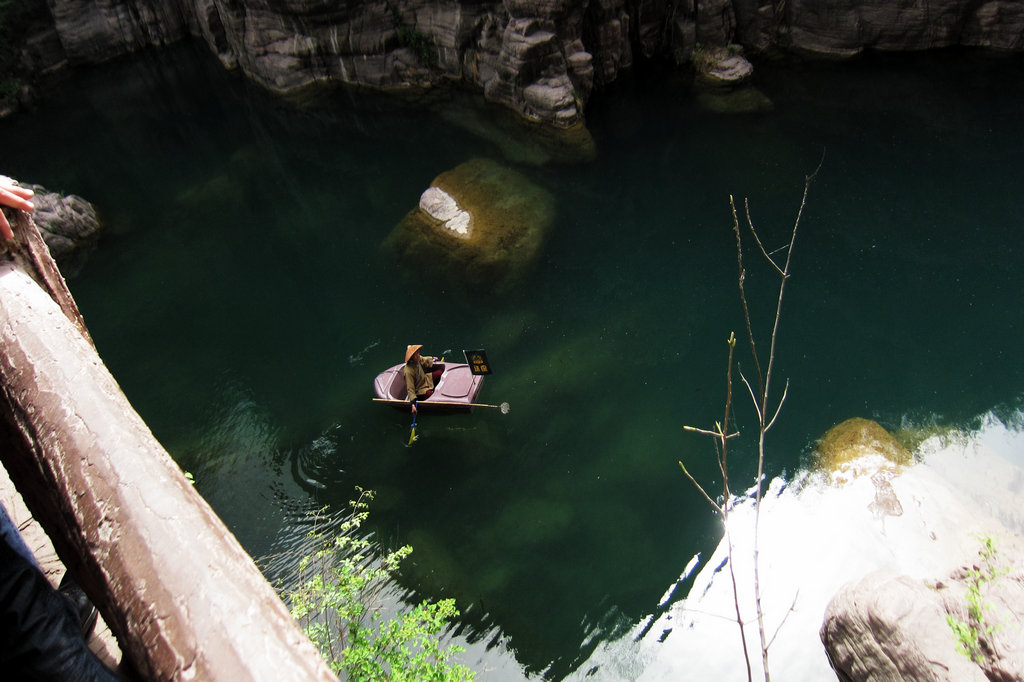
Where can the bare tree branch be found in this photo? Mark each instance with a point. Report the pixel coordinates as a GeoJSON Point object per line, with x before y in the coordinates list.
{"type": "Point", "coordinates": [778, 408]}
{"type": "Point", "coordinates": [792, 608]}
{"type": "Point", "coordinates": [703, 492]}
{"type": "Point", "coordinates": [759, 397]}
{"type": "Point", "coordinates": [750, 223]}
{"type": "Point", "coordinates": [706, 432]}
{"type": "Point", "coordinates": [743, 295]}
{"type": "Point", "coordinates": [753, 398]}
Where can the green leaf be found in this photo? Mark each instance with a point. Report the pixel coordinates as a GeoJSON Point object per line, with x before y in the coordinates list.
{"type": "Point", "coordinates": [336, 602]}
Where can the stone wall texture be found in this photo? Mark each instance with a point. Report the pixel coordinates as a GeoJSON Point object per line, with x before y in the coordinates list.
{"type": "Point", "coordinates": [541, 58]}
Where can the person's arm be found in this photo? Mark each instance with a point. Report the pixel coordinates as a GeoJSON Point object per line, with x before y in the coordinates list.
{"type": "Point", "coordinates": [410, 387]}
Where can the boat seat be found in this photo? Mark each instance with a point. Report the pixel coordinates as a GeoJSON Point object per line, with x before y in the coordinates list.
{"type": "Point", "coordinates": [458, 382]}
{"type": "Point", "coordinates": [397, 390]}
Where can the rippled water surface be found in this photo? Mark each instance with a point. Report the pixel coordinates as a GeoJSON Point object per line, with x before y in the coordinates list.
{"type": "Point", "coordinates": [241, 298]}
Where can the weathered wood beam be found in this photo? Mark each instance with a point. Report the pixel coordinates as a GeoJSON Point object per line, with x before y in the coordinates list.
{"type": "Point", "coordinates": [29, 251]}
{"type": "Point", "coordinates": [183, 598]}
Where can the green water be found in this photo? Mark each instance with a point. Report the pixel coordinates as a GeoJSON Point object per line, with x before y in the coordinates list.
{"type": "Point", "coordinates": [241, 299]}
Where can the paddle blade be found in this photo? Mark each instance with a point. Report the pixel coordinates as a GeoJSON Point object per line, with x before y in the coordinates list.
{"type": "Point", "coordinates": [412, 436]}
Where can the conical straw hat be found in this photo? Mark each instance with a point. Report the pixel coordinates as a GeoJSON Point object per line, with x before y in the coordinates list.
{"type": "Point", "coordinates": [411, 350]}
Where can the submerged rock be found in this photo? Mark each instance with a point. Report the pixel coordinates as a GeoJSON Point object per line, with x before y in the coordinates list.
{"type": "Point", "coordinates": [742, 100]}
{"type": "Point", "coordinates": [856, 439]}
{"type": "Point", "coordinates": [521, 141]}
{"type": "Point", "coordinates": [534, 522]}
{"type": "Point", "coordinates": [722, 82]}
{"type": "Point", "coordinates": [479, 224]}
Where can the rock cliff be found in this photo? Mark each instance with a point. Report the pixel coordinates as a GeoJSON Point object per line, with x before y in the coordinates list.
{"type": "Point", "coordinates": [541, 58]}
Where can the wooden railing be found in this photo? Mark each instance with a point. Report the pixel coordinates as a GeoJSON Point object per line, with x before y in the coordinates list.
{"type": "Point", "coordinates": [182, 597]}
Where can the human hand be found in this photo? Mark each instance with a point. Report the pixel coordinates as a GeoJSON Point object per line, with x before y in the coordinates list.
{"type": "Point", "coordinates": [16, 197]}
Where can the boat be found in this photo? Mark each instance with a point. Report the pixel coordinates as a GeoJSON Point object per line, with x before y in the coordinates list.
{"type": "Point", "coordinates": [455, 391]}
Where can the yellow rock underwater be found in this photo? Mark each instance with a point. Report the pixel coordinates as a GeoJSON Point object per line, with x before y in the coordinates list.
{"type": "Point", "coordinates": [855, 439]}
{"type": "Point", "coordinates": [479, 224]}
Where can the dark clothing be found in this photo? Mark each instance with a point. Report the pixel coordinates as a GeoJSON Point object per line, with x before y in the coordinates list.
{"type": "Point", "coordinates": [39, 630]}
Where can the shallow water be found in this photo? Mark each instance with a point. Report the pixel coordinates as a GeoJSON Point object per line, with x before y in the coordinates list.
{"type": "Point", "coordinates": [241, 299]}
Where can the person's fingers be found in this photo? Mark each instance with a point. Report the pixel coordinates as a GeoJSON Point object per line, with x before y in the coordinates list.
{"type": "Point", "coordinates": [16, 197]}
{"type": "Point", "coordinates": [21, 191]}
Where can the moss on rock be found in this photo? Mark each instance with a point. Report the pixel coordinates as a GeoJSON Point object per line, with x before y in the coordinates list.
{"type": "Point", "coordinates": [479, 224]}
{"type": "Point", "coordinates": [854, 439]}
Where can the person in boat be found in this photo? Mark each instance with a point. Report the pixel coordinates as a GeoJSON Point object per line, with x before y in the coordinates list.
{"type": "Point", "coordinates": [420, 375]}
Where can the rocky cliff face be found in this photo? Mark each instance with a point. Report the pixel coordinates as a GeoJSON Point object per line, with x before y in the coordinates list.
{"type": "Point", "coordinates": [541, 58]}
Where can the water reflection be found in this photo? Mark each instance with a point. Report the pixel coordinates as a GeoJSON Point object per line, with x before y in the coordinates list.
{"type": "Point", "coordinates": [818, 535]}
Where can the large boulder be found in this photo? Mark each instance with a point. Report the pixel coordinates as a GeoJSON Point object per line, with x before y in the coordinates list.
{"type": "Point", "coordinates": [722, 82]}
{"type": "Point", "coordinates": [479, 224]}
{"type": "Point", "coordinates": [742, 100]}
{"type": "Point", "coordinates": [858, 441]}
{"type": "Point", "coordinates": [722, 66]}
{"type": "Point", "coordinates": [892, 627]}
{"type": "Point", "coordinates": [69, 225]}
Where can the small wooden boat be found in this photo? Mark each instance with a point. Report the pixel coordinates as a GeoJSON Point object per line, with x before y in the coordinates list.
{"type": "Point", "coordinates": [456, 391]}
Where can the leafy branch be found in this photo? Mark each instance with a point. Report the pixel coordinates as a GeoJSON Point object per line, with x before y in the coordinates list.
{"type": "Point", "coordinates": [338, 602]}
{"type": "Point", "coordinates": [969, 633]}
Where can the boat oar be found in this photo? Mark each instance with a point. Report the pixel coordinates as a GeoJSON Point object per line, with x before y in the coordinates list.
{"type": "Point", "coordinates": [504, 407]}
{"type": "Point", "coordinates": [412, 433]}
